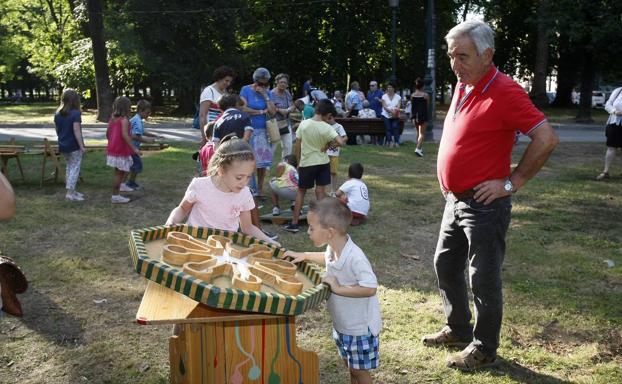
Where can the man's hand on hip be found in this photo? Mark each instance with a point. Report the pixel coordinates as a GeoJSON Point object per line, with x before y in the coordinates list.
{"type": "Point", "coordinates": [488, 191]}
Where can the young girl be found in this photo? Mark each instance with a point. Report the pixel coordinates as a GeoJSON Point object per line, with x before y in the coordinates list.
{"type": "Point", "coordinates": [69, 130]}
{"type": "Point", "coordinates": [120, 148]}
{"type": "Point", "coordinates": [222, 200]}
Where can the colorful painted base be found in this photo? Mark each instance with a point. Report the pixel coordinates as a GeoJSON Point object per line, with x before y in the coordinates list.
{"type": "Point", "coordinates": [227, 347]}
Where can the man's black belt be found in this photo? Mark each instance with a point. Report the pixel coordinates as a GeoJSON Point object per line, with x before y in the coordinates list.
{"type": "Point", "coordinates": [468, 194]}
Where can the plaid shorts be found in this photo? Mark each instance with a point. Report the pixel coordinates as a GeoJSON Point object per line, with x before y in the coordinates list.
{"type": "Point", "coordinates": [361, 352]}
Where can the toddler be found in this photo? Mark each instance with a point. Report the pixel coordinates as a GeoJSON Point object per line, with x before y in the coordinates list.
{"type": "Point", "coordinates": [353, 304]}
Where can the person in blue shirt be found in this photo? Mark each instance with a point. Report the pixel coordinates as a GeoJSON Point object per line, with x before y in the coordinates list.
{"type": "Point", "coordinates": [139, 135]}
{"type": "Point", "coordinates": [307, 87]}
{"type": "Point", "coordinates": [68, 123]}
{"type": "Point", "coordinates": [374, 96]}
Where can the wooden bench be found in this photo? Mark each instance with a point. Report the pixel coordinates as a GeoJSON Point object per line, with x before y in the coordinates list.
{"type": "Point", "coordinates": [11, 151]}
{"type": "Point", "coordinates": [359, 126]}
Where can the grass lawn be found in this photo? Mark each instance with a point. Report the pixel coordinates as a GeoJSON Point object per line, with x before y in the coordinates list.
{"type": "Point", "coordinates": [43, 113]}
{"type": "Point", "coordinates": [563, 304]}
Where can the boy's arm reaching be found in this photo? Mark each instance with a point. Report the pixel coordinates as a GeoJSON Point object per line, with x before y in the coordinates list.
{"type": "Point", "coordinates": [314, 257]}
{"type": "Point", "coordinates": [348, 290]}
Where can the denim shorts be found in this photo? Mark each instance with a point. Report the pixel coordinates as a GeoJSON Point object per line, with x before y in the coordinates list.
{"type": "Point", "coordinates": [361, 352]}
{"type": "Point", "coordinates": [137, 166]}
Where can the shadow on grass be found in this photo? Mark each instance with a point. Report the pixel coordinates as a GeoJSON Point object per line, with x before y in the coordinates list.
{"type": "Point", "coordinates": [523, 374]}
{"type": "Point", "coordinates": [48, 319]}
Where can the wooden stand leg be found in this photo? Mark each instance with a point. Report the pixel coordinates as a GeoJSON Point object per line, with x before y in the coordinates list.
{"type": "Point", "coordinates": [237, 352]}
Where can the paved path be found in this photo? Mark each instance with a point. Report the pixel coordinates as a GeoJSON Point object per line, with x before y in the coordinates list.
{"type": "Point", "coordinates": [180, 132]}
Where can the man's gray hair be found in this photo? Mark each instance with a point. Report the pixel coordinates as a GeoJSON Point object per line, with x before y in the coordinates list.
{"type": "Point", "coordinates": [479, 32]}
{"type": "Point", "coordinates": [261, 74]}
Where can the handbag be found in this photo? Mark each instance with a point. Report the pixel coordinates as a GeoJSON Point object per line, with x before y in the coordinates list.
{"type": "Point", "coordinates": [272, 127]}
{"type": "Point", "coordinates": [283, 126]}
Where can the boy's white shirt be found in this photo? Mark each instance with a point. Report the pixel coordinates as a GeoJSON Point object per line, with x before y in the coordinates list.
{"type": "Point", "coordinates": [357, 194]}
{"type": "Point", "coordinates": [353, 316]}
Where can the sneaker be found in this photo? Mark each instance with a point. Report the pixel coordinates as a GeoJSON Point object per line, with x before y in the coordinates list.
{"type": "Point", "coordinates": [125, 188]}
{"type": "Point", "coordinates": [272, 236]}
{"type": "Point", "coordinates": [73, 197]}
{"type": "Point", "coordinates": [118, 199]}
{"type": "Point", "coordinates": [602, 176]}
{"type": "Point", "coordinates": [419, 152]}
{"type": "Point", "coordinates": [132, 184]}
{"type": "Point", "coordinates": [471, 359]}
{"type": "Point", "coordinates": [276, 211]}
{"type": "Point", "coordinates": [293, 228]}
{"type": "Point", "coordinates": [79, 194]}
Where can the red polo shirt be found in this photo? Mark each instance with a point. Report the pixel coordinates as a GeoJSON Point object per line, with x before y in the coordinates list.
{"type": "Point", "coordinates": [479, 131]}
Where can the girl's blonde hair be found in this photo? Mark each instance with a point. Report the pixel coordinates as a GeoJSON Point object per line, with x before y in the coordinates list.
{"type": "Point", "coordinates": [69, 100]}
{"type": "Point", "coordinates": [122, 106]}
{"type": "Point", "coordinates": [231, 149]}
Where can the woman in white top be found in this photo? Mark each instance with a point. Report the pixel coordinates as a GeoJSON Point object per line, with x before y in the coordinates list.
{"type": "Point", "coordinates": [391, 103]}
{"type": "Point", "coordinates": [208, 103]}
{"type": "Point", "coordinates": [613, 130]}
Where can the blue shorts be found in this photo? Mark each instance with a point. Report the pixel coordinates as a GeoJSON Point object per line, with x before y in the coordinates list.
{"type": "Point", "coordinates": [313, 175]}
{"type": "Point", "coordinates": [361, 352]}
{"type": "Point", "coordinates": [137, 166]}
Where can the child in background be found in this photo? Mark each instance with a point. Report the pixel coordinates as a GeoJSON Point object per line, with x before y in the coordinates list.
{"type": "Point", "coordinates": [333, 155]}
{"type": "Point", "coordinates": [232, 120]}
{"type": "Point", "coordinates": [207, 150]}
{"type": "Point", "coordinates": [285, 184]}
{"type": "Point", "coordinates": [313, 138]}
{"type": "Point", "coordinates": [120, 148]}
{"type": "Point", "coordinates": [353, 304]}
{"type": "Point", "coordinates": [222, 200]}
{"type": "Point", "coordinates": [354, 194]}
{"type": "Point", "coordinates": [139, 135]}
{"type": "Point", "coordinates": [70, 143]}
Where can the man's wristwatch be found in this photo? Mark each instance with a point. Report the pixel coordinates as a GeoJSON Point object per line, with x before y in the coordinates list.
{"type": "Point", "coordinates": [508, 186]}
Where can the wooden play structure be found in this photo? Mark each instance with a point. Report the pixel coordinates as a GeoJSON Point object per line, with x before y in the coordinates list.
{"type": "Point", "coordinates": [234, 299]}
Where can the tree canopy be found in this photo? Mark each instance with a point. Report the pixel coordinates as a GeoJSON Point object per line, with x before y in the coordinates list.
{"type": "Point", "coordinates": [175, 45]}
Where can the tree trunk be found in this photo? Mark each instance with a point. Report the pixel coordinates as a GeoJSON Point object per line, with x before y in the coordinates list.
{"type": "Point", "coordinates": [538, 90]}
{"type": "Point", "coordinates": [566, 72]}
{"type": "Point", "coordinates": [185, 100]}
{"type": "Point", "coordinates": [102, 79]}
{"type": "Point", "coordinates": [587, 85]}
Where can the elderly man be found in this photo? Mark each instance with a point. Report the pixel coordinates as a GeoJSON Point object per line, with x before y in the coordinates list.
{"type": "Point", "coordinates": [474, 173]}
{"type": "Point", "coordinates": [374, 96]}
{"type": "Point", "coordinates": [354, 103]}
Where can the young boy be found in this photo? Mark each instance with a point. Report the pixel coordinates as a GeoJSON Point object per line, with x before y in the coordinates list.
{"type": "Point", "coordinates": [333, 155]}
{"type": "Point", "coordinates": [313, 138]}
{"type": "Point", "coordinates": [353, 193]}
{"type": "Point", "coordinates": [232, 120]}
{"type": "Point", "coordinates": [139, 135]}
{"type": "Point", "coordinates": [353, 304]}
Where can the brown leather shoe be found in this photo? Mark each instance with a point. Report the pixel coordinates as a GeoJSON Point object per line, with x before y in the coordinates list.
{"type": "Point", "coordinates": [12, 281]}
{"type": "Point", "coordinates": [445, 337]}
{"type": "Point", "coordinates": [471, 359]}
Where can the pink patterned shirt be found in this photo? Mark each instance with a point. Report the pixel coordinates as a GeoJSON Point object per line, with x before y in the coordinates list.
{"type": "Point", "coordinates": [214, 208]}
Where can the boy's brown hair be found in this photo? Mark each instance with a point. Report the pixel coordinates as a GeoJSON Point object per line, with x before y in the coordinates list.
{"type": "Point", "coordinates": [142, 106]}
{"type": "Point", "coordinates": [332, 213]}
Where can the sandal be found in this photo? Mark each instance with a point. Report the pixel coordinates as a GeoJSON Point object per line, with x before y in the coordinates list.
{"type": "Point", "coordinates": [445, 337]}
{"type": "Point", "coordinates": [471, 359]}
{"type": "Point", "coordinates": [602, 176]}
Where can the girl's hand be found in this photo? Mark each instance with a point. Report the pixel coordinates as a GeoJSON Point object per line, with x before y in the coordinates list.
{"type": "Point", "coordinates": [275, 243]}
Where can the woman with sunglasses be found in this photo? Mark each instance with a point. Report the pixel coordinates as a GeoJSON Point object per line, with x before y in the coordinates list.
{"type": "Point", "coordinates": [258, 103]}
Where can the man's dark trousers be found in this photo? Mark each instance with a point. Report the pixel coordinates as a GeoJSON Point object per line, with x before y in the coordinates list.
{"type": "Point", "coordinates": [473, 233]}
